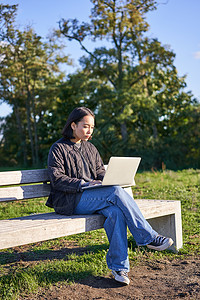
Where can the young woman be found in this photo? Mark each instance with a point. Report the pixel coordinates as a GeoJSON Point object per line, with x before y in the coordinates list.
{"type": "Point", "coordinates": [73, 162]}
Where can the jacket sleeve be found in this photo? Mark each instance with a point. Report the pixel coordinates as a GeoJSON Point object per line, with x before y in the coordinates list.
{"type": "Point", "coordinates": [100, 169]}
{"type": "Point", "coordinates": [56, 169]}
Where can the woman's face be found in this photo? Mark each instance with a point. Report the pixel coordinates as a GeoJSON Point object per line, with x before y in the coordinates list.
{"type": "Point", "coordinates": [83, 129]}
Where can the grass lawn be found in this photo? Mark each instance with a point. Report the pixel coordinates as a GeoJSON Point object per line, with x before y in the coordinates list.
{"type": "Point", "coordinates": [24, 269]}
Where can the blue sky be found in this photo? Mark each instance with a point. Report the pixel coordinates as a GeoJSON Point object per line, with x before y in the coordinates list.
{"type": "Point", "coordinates": [175, 23]}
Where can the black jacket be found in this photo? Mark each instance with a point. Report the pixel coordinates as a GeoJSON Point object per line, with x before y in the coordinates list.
{"type": "Point", "coordinates": [65, 173]}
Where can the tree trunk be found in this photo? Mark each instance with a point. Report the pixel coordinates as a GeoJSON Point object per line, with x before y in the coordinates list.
{"type": "Point", "coordinates": [20, 131]}
{"type": "Point", "coordinates": [155, 131]}
{"type": "Point", "coordinates": [124, 132]}
{"type": "Point", "coordinates": [28, 114]}
{"type": "Point", "coordinates": [35, 130]}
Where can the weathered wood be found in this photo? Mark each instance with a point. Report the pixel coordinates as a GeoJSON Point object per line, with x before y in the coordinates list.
{"type": "Point", "coordinates": [43, 227]}
{"type": "Point", "coordinates": [164, 215]}
{"type": "Point", "coordinates": [24, 192]}
{"type": "Point", "coordinates": [156, 208]}
{"type": "Point", "coordinates": [23, 177]}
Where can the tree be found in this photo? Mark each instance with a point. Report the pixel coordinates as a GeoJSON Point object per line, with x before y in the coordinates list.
{"type": "Point", "coordinates": [131, 83]}
{"type": "Point", "coordinates": [123, 24]}
{"type": "Point", "coordinates": [140, 89]}
{"type": "Point", "coordinates": [7, 19]}
{"type": "Point", "coordinates": [30, 76]}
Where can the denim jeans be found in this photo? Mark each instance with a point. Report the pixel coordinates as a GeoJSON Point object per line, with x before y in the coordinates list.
{"type": "Point", "coordinates": [120, 211]}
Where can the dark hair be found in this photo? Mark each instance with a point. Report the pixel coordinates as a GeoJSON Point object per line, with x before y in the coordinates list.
{"type": "Point", "coordinates": [75, 116]}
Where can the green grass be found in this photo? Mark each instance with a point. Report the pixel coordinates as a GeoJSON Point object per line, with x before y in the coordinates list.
{"type": "Point", "coordinates": [19, 208]}
{"type": "Point", "coordinates": [65, 260]}
{"type": "Point", "coordinates": [182, 185]}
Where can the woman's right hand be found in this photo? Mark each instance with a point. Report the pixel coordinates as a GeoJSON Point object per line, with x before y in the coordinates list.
{"type": "Point", "coordinates": [94, 182]}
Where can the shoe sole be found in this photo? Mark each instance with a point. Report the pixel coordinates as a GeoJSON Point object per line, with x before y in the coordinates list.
{"type": "Point", "coordinates": [120, 279]}
{"type": "Point", "coordinates": [162, 247]}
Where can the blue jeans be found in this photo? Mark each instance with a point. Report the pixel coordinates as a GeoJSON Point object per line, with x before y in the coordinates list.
{"type": "Point", "coordinates": [120, 211]}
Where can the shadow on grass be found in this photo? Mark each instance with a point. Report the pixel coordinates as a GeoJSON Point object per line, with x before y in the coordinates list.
{"type": "Point", "coordinates": [30, 253]}
{"type": "Point", "coordinates": [34, 255]}
{"type": "Point", "coordinates": [23, 274]}
{"type": "Point", "coordinates": [22, 283]}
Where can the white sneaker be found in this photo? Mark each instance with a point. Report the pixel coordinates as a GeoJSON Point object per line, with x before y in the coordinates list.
{"type": "Point", "coordinates": [160, 243]}
{"type": "Point", "coordinates": [121, 276]}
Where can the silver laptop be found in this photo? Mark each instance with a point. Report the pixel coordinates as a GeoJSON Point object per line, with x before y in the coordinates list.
{"type": "Point", "coordinates": [120, 171]}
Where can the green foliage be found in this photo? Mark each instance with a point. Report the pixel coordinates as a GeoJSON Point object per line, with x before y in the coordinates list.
{"type": "Point", "coordinates": [7, 18]}
{"type": "Point", "coordinates": [141, 105]}
{"type": "Point", "coordinates": [29, 82]}
{"type": "Point", "coordinates": [130, 82]}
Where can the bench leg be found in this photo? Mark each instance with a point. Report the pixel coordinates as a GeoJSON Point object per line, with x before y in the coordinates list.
{"type": "Point", "coordinates": [170, 226]}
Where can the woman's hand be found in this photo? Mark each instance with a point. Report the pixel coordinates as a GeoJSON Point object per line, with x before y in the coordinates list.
{"type": "Point", "coordinates": [94, 182]}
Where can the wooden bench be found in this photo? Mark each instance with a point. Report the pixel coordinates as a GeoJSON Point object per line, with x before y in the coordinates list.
{"type": "Point", "coordinates": [163, 215]}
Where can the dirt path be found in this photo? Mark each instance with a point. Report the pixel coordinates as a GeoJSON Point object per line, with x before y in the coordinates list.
{"type": "Point", "coordinates": [177, 279]}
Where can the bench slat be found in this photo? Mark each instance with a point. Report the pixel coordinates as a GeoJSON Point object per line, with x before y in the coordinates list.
{"type": "Point", "coordinates": [24, 192]}
{"type": "Point", "coordinates": [23, 177]}
{"type": "Point", "coordinates": [156, 208]}
{"type": "Point", "coordinates": [61, 226]}
{"type": "Point", "coordinates": [151, 209]}
{"type": "Point", "coordinates": [38, 220]}
{"type": "Point", "coordinates": [41, 227]}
